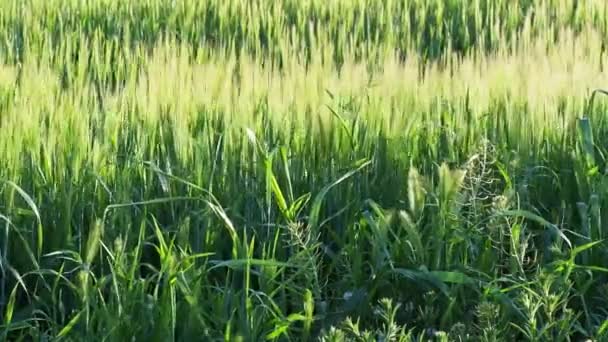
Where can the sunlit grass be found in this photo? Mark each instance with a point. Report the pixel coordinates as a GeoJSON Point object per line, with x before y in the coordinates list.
{"type": "Point", "coordinates": [287, 170]}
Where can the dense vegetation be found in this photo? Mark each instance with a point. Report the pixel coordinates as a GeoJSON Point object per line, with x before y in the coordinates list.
{"type": "Point", "coordinates": [366, 170]}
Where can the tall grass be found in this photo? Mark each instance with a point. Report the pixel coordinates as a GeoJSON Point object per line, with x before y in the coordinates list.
{"type": "Point", "coordinates": [287, 170]}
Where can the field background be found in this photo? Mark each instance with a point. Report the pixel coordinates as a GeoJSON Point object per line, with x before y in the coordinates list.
{"type": "Point", "coordinates": [345, 170]}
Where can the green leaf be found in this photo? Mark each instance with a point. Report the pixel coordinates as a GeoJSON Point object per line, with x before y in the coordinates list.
{"type": "Point", "coordinates": [298, 204]}
{"type": "Point", "coordinates": [603, 328]}
{"type": "Point", "coordinates": [283, 153]}
{"type": "Point", "coordinates": [316, 205]}
{"type": "Point", "coordinates": [422, 277]}
{"type": "Point", "coordinates": [343, 124]}
{"type": "Point", "coordinates": [587, 143]}
{"type": "Point", "coordinates": [240, 263]}
{"type": "Point", "coordinates": [593, 268]}
{"type": "Point", "coordinates": [10, 307]}
{"type": "Point", "coordinates": [437, 278]}
{"type": "Point", "coordinates": [66, 330]}
{"type": "Point", "coordinates": [219, 211]}
{"type": "Point", "coordinates": [279, 330]}
{"type": "Point", "coordinates": [531, 216]}
{"type": "Point", "coordinates": [295, 317]}
{"type": "Point", "coordinates": [452, 277]}
{"type": "Point", "coordinates": [582, 248]}
{"type": "Point", "coordinates": [278, 194]}
{"type": "Point", "coordinates": [30, 202]}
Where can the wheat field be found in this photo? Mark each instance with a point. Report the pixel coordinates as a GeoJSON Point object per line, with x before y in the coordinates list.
{"type": "Point", "coordinates": [295, 170]}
